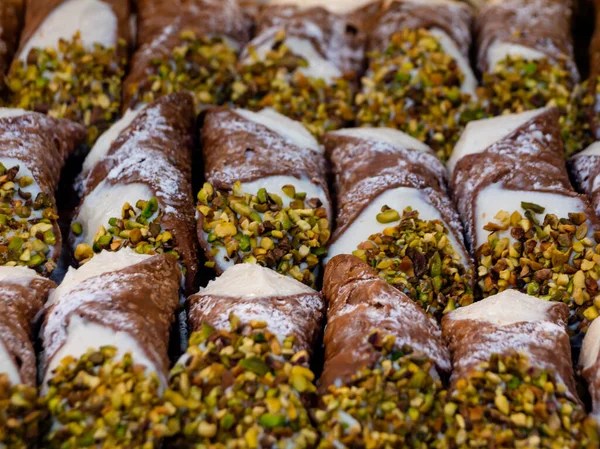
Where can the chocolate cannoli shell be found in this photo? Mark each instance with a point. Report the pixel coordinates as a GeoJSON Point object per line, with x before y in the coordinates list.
{"type": "Point", "coordinates": [358, 302]}
{"type": "Point", "coordinates": [140, 300]}
{"type": "Point", "coordinates": [18, 308]}
{"type": "Point", "coordinates": [156, 150]}
{"type": "Point", "coordinates": [528, 159]}
{"type": "Point", "coordinates": [585, 169]}
{"type": "Point", "coordinates": [11, 21]}
{"type": "Point", "coordinates": [38, 10]}
{"type": "Point", "coordinates": [453, 18]}
{"type": "Point", "coordinates": [364, 170]}
{"type": "Point", "coordinates": [161, 23]}
{"type": "Point", "coordinates": [545, 343]}
{"type": "Point", "coordinates": [543, 25]}
{"type": "Point", "coordinates": [301, 315]}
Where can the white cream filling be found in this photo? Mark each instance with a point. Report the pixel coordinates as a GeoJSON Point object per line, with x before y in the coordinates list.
{"type": "Point", "coordinates": [499, 51]}
{"type": "Point", "coordinates": [590, 348]}
{"type": "Point", "coordinates": [18, 275]}
{"type": "Point", "coordinates": [505, 308]}
{"type": "Point", "coordinates": [105, 202]}
{"type": "Point", "coordinates": [8, 366]}
{"type": "Point", "coordinates": [317, 66]}
{"type": "Point", "coordinates": [12, 112]}
{"type": "Point", "coordinates": [104, 142]}
{"type": "Point", "coordinates": [481, 134]}
{"type": "Point", "coordinates": [287, 128]}
{"type": "Point", "coordinates": [95, 20]}
{"type": "Point", "coordinates": [253, 281]}
{"type": "Point", "coordinates": [273, 184]}
{"type": "Point", "coordinates": [366, 223]}
{"type": "Point", "coordinates": [495, 198]}
{"type": "Point", "coordinates": [469, 84]}
{"type": "Point", "coordinates": [389, 136]}
{"type": "Point", "coordinates": [334, 6]}
{"type": "Point", "coordinates": [592, 150]}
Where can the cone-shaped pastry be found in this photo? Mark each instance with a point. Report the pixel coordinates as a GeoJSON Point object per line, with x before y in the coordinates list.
{"type": "Point", "coordinates": [304, 62]}
{"type": "Point", "coordinates": [513, 383]}
{"type": "Point", "coordinates": [395, 214]}
{"type": "Point", "coordinates": [383, 358]}
{"type": "Point", "coordinates": [244, 381]}
{"type": "Point", "coordinates": [266, 198]}
{"type": "Point", "coordinates": [23, 294]}
{"type": "Point", "coordinates": [33, 150]}
{"type": "Point", "coordinates": [525, 52]}
{"type": "Point", "coordinates": [137, 191]}
{"type": "Point", "coordinates": [71, 59]}
{"type": "Point", "coordinates": [525, 224]}
{"type": "Point", "coordinates": [419, 78]}
{"type": "Point", "coordinates": [11, 21]}
{"type": "Point", "coordinates": [105, 336]}
{"type": "Point", "coordinates": [186, 45]}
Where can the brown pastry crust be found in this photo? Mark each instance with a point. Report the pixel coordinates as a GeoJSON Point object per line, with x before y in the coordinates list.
{"type": "Point", "coordinates": [453, 18]}
{"type": "Point", "coordinates": [585, 169]}
{"type": "Point", "coordinates": [546, 344]}
{"type": "Point", "coordinates": [156, 150]}
{"type": "Point", "coordinates": [543, 25]}
{"type": "Point", "coordinates": [11, 21]}
{"type": "Point", "coordinates": [38, 10]}
{"type": "Point", "coordinates": [18, 308]}
{"type": "Point", "coordinates": [160, 24]}
{"type": "Point", "coordinates": [359, 301]}
{"type": "Point", "coordinates": [141, 300]}
{"type": "Point", "coordinates": [300, 315]}
{"type": "Point", "coordinates": [595, 74]}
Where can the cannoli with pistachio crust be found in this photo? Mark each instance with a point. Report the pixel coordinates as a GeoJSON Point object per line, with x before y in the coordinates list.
{"type": "Point", "coordinates": [105, 337]}
{"type": "Point", "coordinates": [186, 45]}
{"type": "Point", "coordinates": [419, 78]}
{"type": "Point", "coordinates": [304, 62]}
{"type": "Point", "coordinates": [33, 150]}
{"type": "Point", "coordinates": [526, 226]}
{"type": "Point", "coordinates": [244, 381]}
{"type": "Point", "coordinates": [23, 294]}
{"type": "Point", "coordinates": [513, 383]}
{"type": "Point", "coordinates": [137, 192]}
{"type": "Point", "coordinates": [395, 214]}
{"type": "Point", "coordinates": [71, 59]}
{"type": "Point", "coordinates": [266, 199]}
{"type": "Point", "coordinates": [11, 22]}
{"type": "Point", "coordinates": [381, 384]}
{"type": "Point", "coordinates": [525, 53]}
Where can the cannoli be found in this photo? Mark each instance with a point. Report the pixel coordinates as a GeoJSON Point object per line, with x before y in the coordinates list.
{"type": "Point", "coordinates": [186, 45]}
{"type": "Point", "coordinates": [245, 381]}
{"type": "Point", "coordinates": [395, 214]}
{"type": "Point", "coordinates": [71, 59]}
{"type": "Point", "coordinates": [513, 383]}
{"type": "Point", "coordinates": [266, 198]}
{"type": "Point", "coordinates": [526, 226]}
{"type": "Point", "coordinates": [33, 150]}
{"type": "Point", "coordinates": [419, 79]}
{"type": "Point", "coordinates": [304, 62]}
{"type": "Point", "coordinates": [137, 190]}
{"type": "Point", "coordinates": [525, 53]}
{"type": "Point", "coordinates": [105, 361]}
{"type": "Point", "coordinates": [11, 21]}
{"type": "Point", "coordinates": [381, 384]}
{"type": "Point", "coordinates": [24, 293]}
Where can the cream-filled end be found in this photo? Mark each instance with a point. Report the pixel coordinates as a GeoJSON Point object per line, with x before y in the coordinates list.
{"type": "Point", "coordinates": [590, 349]}
{"type": "Point", "coordinates": [469, 84]}
{"type": "Point", "coordinates": [389, 136]}
{"type": "Point", "coordinates": [253, 281]}
{"type": "Point", "coordinates": [8, 366]}
{"type": "Point", "coordinates": [592, 150]}
{"type": "Point", "coordinates": [499, 51]}
{"type": "Point", "coordinates": [95, 20]}
{"type": "Point", "coordinates": [505, 308]}
{"type": "Point", "coordinates": [18, 275]}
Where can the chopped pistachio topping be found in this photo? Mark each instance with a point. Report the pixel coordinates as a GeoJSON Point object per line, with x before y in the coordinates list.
{"type": "Point", "coordinates": [517, 85]}
{"type": "Point", "coordinates": [545, 256]}
{"type": "Point", "coordinates": [22, 415]}
{"type": "Point", "coordinates": [261, 229]}
{"type": "Point", "coordinates": [510, 404]}
{"type": "Point", "coordinates": [417, 257]}
{"type": "Point", "coordinates": [275, 81]}
{"type": "Point", "coordinates": [205, 66]}
{"type": "Point", "coordinates": [242, 388]}
{"type": "Point", "coordinates": [99, 401]}
{"type": "Point", "coordinates": [73, 82]}
{"type": "Point", "coordinates": [415, 86]}
{"type": "Point", "coordinates": [27, 231]}
{"type": "Point", "coordinates": [399, 402]}
{"type": "Point", "coordinates": [138, 228]}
